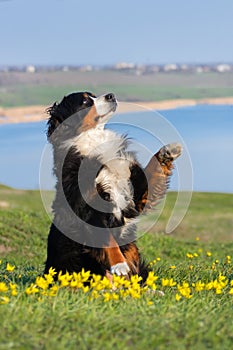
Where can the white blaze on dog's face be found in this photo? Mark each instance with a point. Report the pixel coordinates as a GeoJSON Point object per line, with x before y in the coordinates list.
{"type": "Point", "coordinates": [105, 106]}
{"type": "Point", "coordinates": [100, 112]}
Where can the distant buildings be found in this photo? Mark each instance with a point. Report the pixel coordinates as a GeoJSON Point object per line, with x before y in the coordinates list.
{"type": "Point", "coordinates": [131, 68]}
{"type": "Point", "coordinates": [30, 69]}
{"type": "Point", "coordinates": [222, 68]}
{"type": "Point", "coordinates": [173, 68]}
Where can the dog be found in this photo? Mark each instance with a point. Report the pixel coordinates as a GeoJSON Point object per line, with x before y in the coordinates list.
{"type": "Point", "coordinates": [101, 189]}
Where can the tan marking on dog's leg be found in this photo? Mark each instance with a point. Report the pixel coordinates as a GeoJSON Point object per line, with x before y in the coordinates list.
{"type": "Point", "coordinates": [116, 259]}
{"type": "Point", "coordinates": [113, 252]}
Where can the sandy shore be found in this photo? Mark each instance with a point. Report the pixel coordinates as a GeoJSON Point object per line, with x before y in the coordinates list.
{"type": "Point", "coordinates": [37, 113]}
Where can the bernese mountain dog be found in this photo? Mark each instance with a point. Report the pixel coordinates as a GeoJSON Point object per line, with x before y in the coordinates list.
{"type": "Point", "coordinates": [101, 189]}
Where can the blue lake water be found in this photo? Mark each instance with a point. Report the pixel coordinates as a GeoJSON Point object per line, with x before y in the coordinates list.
{"type": "Point", "coordinates": [205, 131]}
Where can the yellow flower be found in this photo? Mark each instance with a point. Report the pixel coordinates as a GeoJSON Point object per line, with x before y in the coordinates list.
{"type": "Point", "coordinates": [105, 283]}
{"type": "Point", "coordinates": [126, 283]}
{"type": "Point", "coordinates": [199, 286]}
{"type": "Point", "coordinates": [75, 284]}
{"type": "Point", "coordinates": [191, 256]}
{"type": "Point", "coordinates": [209, 285]}
{"type": "Point", "coordinates": [52, 271]}
{"type": "Point", "coordinates": [13, 288]}
{"type": "Point", "coordinates": [221, 277]}
{"type": "Point", "coordinates": [115, 296]}
{"type": "Point", "coordinates": [190, 267]}
{"type": "Point", "coordinates": [165, 282]}
{"type": "Point", "coordinates": [3, 287]}
{"type": "Point", "coordinates": [136, 279]}
{"type": "Point", "coordinates": [44, 292]}
{"type": "Point", "coordinates": [85, 289]}
{"type": "Point", "coordinates": [32, 289]}
{"type": "Point", "coordinates": [95, 294]}
{"type": "Point", "coordinates": [107, 297]}
{"type": "Point", "coordinates": [95, 282]}
{"type": "Point", "coordinates": [77, 280]}
{"type": "Point", "coordinates": [208, 254]}
{"type": "Point", "coordinates": [10, 267]}
{"type": "Point", "coordinates": [219, 291]}
{"type": "Point", "coordinates": [14, 293]}
{"type": "Point", "coordinates": [150, 281]}
{"type": "Point", "coordinates": [178, 297]}
{"type": "Point", "coordinates": [172, 283]}
{"type": "Point", "coordinates": [222, 281]}
{"type": "Point", "coordinates": [218, 284]}
{"type": "Point", "coordinates": [149, 302]}
{"type": "Point", "coordinates": [85, 275]}
{"type": "Point", "coordinates": [185, 290]}
{"type": "Point", "coordinates": [42, 283]}
{"type": "Point", "coordinates": [134, 293]}
{"type": "Point", "coordinates": [53, 291]}
{"type": "Point", "coordinates": [123, 293]}
{"type": "Point", "coordinates": [100, 283]}
{"type": "Point", "coordinates": [197, 238]}
{"type": "Point", "coordinates": [172, 267]}
{"type": "Point", "coordinates": [137, 288]}
{"type": "Point", "coordinates": [213, 266]}
{"type": "Point", "coordinates": [231, 291]}
{"type": "Point", "coordinates": [4, 300]}
{"type": "Point", "coordinates": [168, 282]}
{"type": "Point", "coordinates": [0, 262]}
{"type": "Point", "coordinates": [120, 281]}
{"type": "Point", "coordinates": [64, 279]}
{"type": "Point", "coordinates": [49, 278]}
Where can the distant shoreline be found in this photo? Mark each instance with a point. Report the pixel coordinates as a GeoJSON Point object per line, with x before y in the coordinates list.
{"type": "Point", "coordinates": [29, 114]}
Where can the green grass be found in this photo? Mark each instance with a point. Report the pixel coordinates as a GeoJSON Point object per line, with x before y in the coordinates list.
{"type": "Point", "coordinates": [71, 320]}
{"type": "Point", "coordinates": [45, 95]}
{"type": "Point", "coordinates": [25, 89]}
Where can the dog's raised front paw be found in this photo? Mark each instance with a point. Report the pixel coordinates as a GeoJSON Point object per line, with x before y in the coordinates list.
{"type": "Point", "coordinates": [120, 269]}
{"type": "Point", "coordinates": [169, 152]}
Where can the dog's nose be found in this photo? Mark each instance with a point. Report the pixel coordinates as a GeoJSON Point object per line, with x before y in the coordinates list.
{"type": "Point", "coordinates": [110, 97]}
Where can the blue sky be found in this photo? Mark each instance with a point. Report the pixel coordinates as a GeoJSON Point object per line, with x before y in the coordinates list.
{"type": "Point", "coordinates": [105, 32]}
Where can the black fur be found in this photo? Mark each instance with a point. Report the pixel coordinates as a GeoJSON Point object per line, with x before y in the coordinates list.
{"type": "Point", "coordinates": [64, 253]}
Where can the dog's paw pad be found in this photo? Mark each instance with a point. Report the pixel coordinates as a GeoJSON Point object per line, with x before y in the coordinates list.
{"type": "Point", "coordinates": [169, 152]}
{"type": "Point", "coordinates": [120, 269]}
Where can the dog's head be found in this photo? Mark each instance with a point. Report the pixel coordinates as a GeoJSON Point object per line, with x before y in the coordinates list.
{"type": "Point", "coordinates": [79, 112]}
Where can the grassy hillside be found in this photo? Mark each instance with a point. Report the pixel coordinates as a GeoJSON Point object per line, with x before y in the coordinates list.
{"type": "Point", "coordinates": [20, 89]}
{"type": "Point", "coordinates": [186, 317]}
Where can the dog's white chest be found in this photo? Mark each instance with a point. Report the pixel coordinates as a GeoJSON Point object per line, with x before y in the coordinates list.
{"type": "Point", "coordinates": [110, 149]}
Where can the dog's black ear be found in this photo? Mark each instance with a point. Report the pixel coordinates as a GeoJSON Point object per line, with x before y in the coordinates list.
{"type": "Point", "coordinates": [71, 105]}
{"type": "Point", "coordinates": [59, 112]}
{"type": "Point", "coordinates": [54, 119]}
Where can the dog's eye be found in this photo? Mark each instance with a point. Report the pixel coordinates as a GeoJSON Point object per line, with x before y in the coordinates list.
{"type": "Point", "coordinates": [85, 102]}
